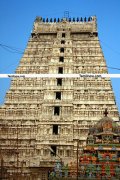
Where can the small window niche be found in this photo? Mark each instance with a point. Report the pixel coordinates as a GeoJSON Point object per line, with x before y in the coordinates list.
{"type": "Point", "coordinates": [55, 129]}
{"type": "Point", "coordinates": [60, 70]}
{"type": "Point", "coordinates": [61, 59]}
{"type": "Point", "coordinates": [62, 50]}
{"type": "Point", "coordinates": [62, 42]}
{"type": "Point", "coordinates": [63, 35]}
{"type": "Point", "coordinates": [59, 82]}
{"type": "Point", "coordinates": [56, 110]}
{"type": "Point", "coordinates": [53, 150]}
{"type": "Point", "coordinates": [58, 95]}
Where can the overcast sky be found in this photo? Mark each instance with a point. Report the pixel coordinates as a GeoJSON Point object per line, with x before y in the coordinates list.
{"type": "Point", "coordinates": [16, 22]}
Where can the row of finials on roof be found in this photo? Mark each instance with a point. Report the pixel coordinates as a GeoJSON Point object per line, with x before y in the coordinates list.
{"type": "Point", "coordinates": [62, 19]}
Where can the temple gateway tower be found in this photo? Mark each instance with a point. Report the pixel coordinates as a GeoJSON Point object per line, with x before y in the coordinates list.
{"type": "Point", "coordinates": [42, 119]}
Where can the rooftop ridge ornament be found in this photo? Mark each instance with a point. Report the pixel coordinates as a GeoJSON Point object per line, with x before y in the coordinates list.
{"type": "Point", "coordinates": [66, 17]}
{"type": "Point", "coordinates": [106, 112]}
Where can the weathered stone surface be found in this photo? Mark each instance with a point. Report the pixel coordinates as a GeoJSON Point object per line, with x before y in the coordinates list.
{"type": "Point", "coordinates": [28, 121]}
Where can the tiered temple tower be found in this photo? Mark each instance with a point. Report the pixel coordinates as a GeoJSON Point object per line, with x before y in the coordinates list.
{"type": "Point", "coordinates": [42, 115]}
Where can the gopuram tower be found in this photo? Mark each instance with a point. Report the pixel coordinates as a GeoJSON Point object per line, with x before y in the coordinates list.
{"type": "Point", "coordinates": [42, 119]}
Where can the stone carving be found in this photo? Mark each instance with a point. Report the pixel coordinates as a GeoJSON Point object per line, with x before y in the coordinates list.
{"type": "Point", "coordinates": [37, 111]}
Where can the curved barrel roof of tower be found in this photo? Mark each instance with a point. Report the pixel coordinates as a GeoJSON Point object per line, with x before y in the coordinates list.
{"type": "Point", "coordinates": [53, 25]}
